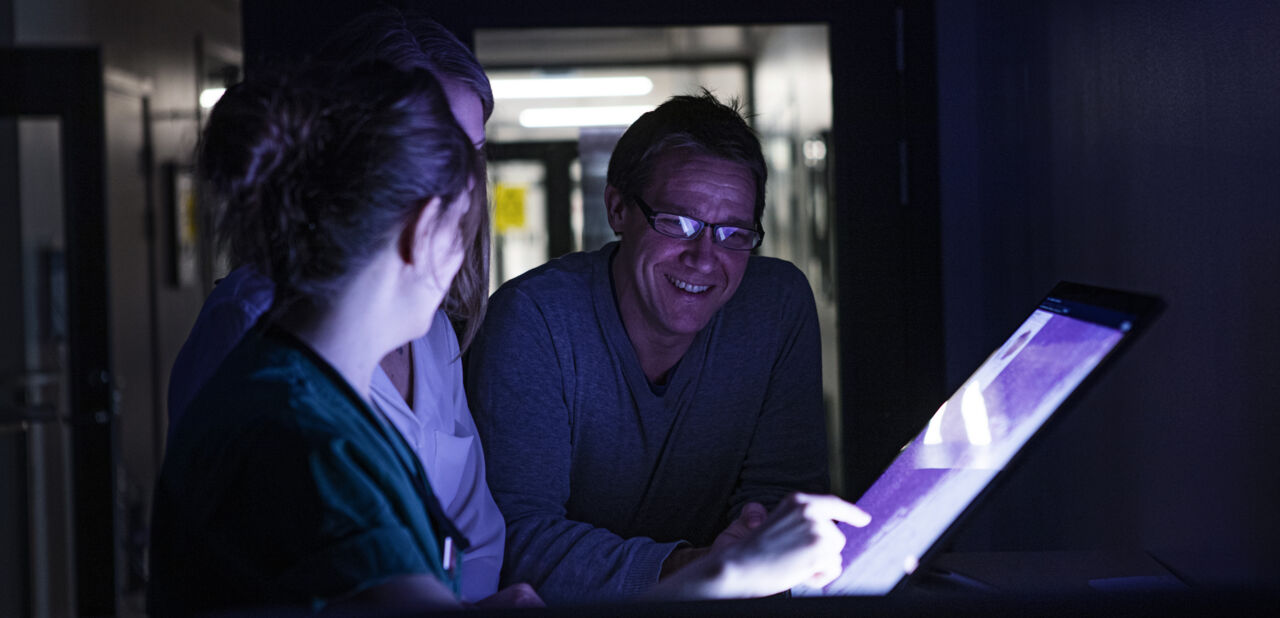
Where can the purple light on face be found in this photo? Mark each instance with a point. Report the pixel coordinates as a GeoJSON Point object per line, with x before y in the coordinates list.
{"type": "Point", "coordinates": [967, 442]}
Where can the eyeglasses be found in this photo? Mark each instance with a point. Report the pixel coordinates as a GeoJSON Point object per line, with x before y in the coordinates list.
{"type": "Point", "coordinates": [688, 228]}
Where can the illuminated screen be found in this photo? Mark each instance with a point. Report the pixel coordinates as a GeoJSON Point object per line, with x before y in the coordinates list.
{"type": "Point", "coordinates": [970, 439]}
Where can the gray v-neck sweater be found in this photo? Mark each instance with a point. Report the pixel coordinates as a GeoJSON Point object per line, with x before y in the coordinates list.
{"type": "Point", "coordinates": [598, 476]}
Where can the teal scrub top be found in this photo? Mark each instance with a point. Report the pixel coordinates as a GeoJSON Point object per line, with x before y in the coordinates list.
{"type": "Point", "coordinates": [282, 487]}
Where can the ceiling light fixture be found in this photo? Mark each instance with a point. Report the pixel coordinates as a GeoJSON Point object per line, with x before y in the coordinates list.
{"type": "Point", "coordinates": [570, 87]}
{"type": "Point", "coordinates": [617, 115]}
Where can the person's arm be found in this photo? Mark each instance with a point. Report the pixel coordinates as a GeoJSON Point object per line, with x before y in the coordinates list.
{"type": "Point", "coordinates": [788, 450]}
{"type": "Point", "coordinates": [517, 389]}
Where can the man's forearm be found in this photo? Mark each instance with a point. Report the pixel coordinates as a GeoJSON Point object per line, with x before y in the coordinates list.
{"type": "Point", "coordinates": [569, 561]}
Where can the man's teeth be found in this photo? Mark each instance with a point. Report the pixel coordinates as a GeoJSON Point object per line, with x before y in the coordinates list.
{"type": "Point", "coordinates": [688, 287]}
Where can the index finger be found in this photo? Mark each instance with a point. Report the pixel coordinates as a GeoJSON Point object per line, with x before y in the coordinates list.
{"type": "Point", "coordinates": [834, 508]}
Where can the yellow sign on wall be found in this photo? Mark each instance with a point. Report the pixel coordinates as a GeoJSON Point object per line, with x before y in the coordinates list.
{"type": "Point", "coordinates": [508, 207]}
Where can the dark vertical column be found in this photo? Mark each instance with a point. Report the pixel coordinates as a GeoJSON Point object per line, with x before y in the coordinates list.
{"type": "Point", "coordinates": [559, 187]}
{"type": "Point", "coordinates": [12, 345]}
{"type": "Point", "coordinates": [14, 582]}
{"type": "Point", "coordinates": [887, 240]}
{"type": "Point", "coordinates": [93, 439]}
{"type": "Point", "coordinates": [68, 83]}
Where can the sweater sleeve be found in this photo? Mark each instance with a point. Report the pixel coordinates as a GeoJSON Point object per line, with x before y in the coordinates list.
{"type": "Point", "coordinates": [788, 449]}
{"type": "Point", "coordinates": [517, 386]}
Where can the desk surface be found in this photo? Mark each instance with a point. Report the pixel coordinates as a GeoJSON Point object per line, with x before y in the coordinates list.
{"type": "Point", "coordinates": [1184, 603]}
{"type": "Point", "coordinates": [1051, 572]}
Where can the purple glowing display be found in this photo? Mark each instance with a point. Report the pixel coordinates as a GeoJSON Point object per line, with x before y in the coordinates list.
{"type": "Point", "coordinates": [968, 441]}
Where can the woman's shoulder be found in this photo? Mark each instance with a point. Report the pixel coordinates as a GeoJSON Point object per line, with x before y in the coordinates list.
{"type": "Point", "coordinates": [265, 381]}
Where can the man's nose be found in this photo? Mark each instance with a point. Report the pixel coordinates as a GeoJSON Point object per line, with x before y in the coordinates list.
{"type": "Point", "coordinates": [699, 253]}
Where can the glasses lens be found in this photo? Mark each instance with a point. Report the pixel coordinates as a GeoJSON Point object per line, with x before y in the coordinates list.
{"type": "Point", "coordinates": [676, 226]}
{"type": "Point", "coordinates": [739, 238]}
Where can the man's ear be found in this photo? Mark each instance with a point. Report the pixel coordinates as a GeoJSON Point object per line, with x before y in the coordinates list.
{"type": "Point", "coordinates": [413, 246]}
{"type": "Point", "coordinates": [615, 205]}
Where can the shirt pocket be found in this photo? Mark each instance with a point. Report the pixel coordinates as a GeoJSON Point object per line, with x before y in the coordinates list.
{"type": "Point", "coordinates": [451, 464]}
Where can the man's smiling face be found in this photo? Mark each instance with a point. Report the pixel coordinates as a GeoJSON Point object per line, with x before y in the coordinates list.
{"type": "Point", "coordinates": [669, 288]}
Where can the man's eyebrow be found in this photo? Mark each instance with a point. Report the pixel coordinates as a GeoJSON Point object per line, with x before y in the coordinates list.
{"type": "Point", "coordinates": [737, 223]}
{"type": "Point", "coordinates": [684, 212]}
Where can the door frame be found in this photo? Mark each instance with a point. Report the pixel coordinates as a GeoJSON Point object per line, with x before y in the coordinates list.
{"type": "Point", "coordinates": [556, 157]}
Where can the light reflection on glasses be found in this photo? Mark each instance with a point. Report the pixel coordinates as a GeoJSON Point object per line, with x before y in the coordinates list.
{"type": "Point", "coordinates": [688, 228]}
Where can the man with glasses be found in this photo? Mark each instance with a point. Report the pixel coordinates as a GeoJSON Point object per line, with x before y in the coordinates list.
{"type": "Point", "coordinates": [646, 403]}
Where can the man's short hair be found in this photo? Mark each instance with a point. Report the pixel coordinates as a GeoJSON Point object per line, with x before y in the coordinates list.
{"type": "Point", "coordinates": [698, 122]}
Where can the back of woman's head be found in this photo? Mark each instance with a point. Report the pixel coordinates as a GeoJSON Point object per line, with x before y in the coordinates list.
{"type": "Point", "coordinates": [315, 173]}
{"type": "Point", "coordinates": [408, 41]}
{"type": "Point", "coordinates": [411, 41]}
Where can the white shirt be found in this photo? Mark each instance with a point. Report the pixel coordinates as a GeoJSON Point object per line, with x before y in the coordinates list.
{"type": "Point", "coordinates": [441, 431]}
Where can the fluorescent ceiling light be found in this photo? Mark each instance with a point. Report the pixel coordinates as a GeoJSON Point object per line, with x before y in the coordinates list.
{"type": "Point", "coordinates": [210, 96]}
{"type": "Point", "coordinates": [568, 87]}
{"type": "Point", "coordinates": [617, 115]}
